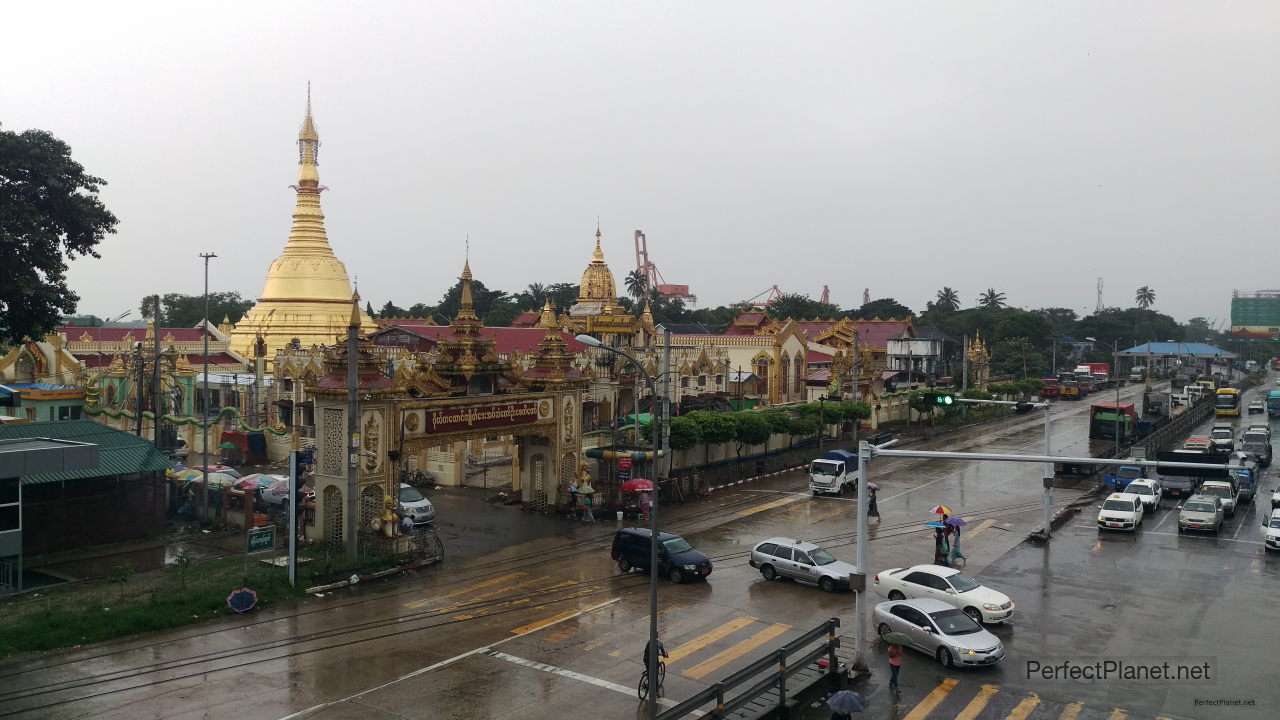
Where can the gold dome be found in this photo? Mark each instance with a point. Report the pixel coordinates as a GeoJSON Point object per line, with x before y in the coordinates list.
{"type": "Point", "coordinates": [307, 294]}
{"type": "Point", "coordinates": [598, 284]}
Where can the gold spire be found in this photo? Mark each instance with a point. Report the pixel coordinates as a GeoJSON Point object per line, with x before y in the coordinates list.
{"type": "Point", "coordinates": [466, 320]}
{"type": "Point", "coordinates": [308, 147]}
{"type": "Point", "coordinates": [597, 283]}
{"type": "Point", "coordinates": [354, 322]}
{"type": "Point", "coordinates": [598, 255]}
{"type": "Point", "coordinates": [548, 317]}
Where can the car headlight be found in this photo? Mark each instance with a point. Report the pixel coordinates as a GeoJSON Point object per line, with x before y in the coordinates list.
{"type": "Point", "coordinates": [690, 567]}
{"type": "Point", "coordinates": [990, 606]}
{"type": "Point", "coordinates": [963, 650]}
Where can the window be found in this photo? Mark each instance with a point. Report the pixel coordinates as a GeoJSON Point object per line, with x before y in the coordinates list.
{"type": "Point", "coordinates": [783, 552]}
{"type": "Point", "coordinates": [918, 578]}
{"type": "Point", "coordinates": [954, 622]}
{"type": "Point", "coordinates": [803, 559]}
{"type": "Point", "coordinates": [286, 386]}
{"type": "Point", "coordinates": [702, 379]}
{"type": "Point", "coordinates": [69, 412]}
{"type": "Point", "coordinates": [684, 381]}
{"type": "Point", "coordinates": [767, 548]}
{"type": "Point", "coordinates": [963, 583]}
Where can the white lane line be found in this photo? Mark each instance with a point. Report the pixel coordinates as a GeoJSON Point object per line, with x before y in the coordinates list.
{"type": "Point", "coordinates": [444, 663]}
{"type": "Point", "coordinates": [564, 672]}
{"type": "Point", "coordinates": [1208, 537]}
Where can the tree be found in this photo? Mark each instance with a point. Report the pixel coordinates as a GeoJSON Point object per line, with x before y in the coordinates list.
{"type": "Point", "coordinates": [883, 308]}
{"type": "Point", "coordinates": [391, 310]}
{"type": "Point", "coordinates": [422, 310]}
{"type": "Point", "coordinates": [753, 429]}
{"type": "Point", "coordinates": [992, 299]}
{"type": "Point", "coordinates": [49, 213]}
{"type": "Point", "coordinates": [637, 284]}
{"type": "Point", "coordinates": [1016, 356]}
{"type": "Point", "coordinates": [714, 427]}
{"type": "Point", "coordinates": [1146, 297]}
{"type": "Point", "coordinates": [685, 433]}
{"type": "Point", "coordinates": [800, 306]}
{"type": "Point", "coordinates": [482, 298]}
{"type": "Point", "coordinates": [178, 310]}
{"type": "Point", "coordinates": [948, 299]}
{"type": "Point", "coordinates": [368, 309]}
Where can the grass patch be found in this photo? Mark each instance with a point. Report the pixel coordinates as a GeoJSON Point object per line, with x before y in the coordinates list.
{"type": "Point", "coordinates": [128, 604]}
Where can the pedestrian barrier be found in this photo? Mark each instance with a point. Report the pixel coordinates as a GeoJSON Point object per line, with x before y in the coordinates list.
{"type": "Point", "coordinates": [777, 676]}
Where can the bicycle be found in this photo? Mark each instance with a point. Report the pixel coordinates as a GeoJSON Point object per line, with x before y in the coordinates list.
{"type": "Point", "coordinates": [643, 689]}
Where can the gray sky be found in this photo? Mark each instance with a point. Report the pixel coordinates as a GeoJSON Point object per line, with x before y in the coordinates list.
{"type": "Point", "coordinates": [902, 146]}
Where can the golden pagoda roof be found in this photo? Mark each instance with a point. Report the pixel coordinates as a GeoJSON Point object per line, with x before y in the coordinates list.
{"type": "Point", "coordinates": [598, 284]}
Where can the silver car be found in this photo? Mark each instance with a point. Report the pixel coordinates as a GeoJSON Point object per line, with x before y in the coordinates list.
{"type": "Point", "coordinates": [937, 629]}
{"type": "Point", "coordinates": [1201, 512]}
{"type": "Point", "coordinates": [788, 558]}
{"type": "Point", "coordinates": [416, 505]}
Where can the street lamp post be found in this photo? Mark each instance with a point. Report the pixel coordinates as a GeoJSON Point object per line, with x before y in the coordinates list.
{"type": "Point", "coordinates": [1115, 363]}
{"type": "Point", "coordinates": [822, 428]}
{"type": "Point", "coordinates": [654, 439]}
{"type": "Point", "coordinates": [204, 481]}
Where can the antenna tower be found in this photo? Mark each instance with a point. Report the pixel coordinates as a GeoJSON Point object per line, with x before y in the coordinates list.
{"type": "Point", "coordinates": [1099, 307]}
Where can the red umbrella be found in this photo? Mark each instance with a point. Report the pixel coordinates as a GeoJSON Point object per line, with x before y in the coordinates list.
{"type": "Point", "coordinates": [637, 485]}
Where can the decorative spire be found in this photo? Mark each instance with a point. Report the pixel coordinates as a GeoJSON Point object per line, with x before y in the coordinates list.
{"type": "Point", "coordinates": [466, 319]}
{"type": "Point", "coordinates": [548, 317]}
{"type": "Point", "coordinates": [354, 322]}
{"type": "Point", "coordinates": [308, 138]}
{"type": "Point", "coordinates": [598, 255]}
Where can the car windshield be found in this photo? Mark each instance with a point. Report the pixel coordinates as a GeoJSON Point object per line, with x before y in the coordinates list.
{"type": "Point", "coordinates": [1129, 473]}
{"type": "Point", "coordinates": [1117, 505]}
{"type": "Point", "coordinates": [1216, 492]}
{"type": "Point", "coordinates": [1140, 490]}
{"type": "Point", "coordinates": [676, 545]}
{"type": "Point", "coordinates": [1275, 522]}
{"type": "Point", "coordinates": [821, 557]}
{"type": "Point", "coordinates": [962, 582]}
{"type": "Point", "coordinates": [954, 622]}
{"type": "Point", "coordinates": [1224, 434]}
{"type": "Point", "coordinates": [410, 495]}
{"type": "Point", "coordinates": [1198, 507]}
{"type": "Point", "coordinates": [821, 468]}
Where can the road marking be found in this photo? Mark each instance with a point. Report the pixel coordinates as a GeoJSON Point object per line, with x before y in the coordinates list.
{"type": "Point", "coordinates": [820, 518]}
{"type": "Point", "coordinates": [981, 526]}
{"type": "Point", "coordinates": [709, 637]}
{"type": "Point", "coordinates": [538, 625]}
{"type": "Point", "coordinates": [1024, 708]}
{"type": "Point", "coordinates": [930, 701]}
{"type": "Point", "coordinates": [463, 591]}
{"type": "Point", "coordinates": [722, 658]}
{"type": "Point", "coordinates": [979, 702]}
{"type": "Point", "coordinates": [767, 506]}
{"type": "Point", "coordinates": [1207, 537]}
{"type": "Point", "coordinates": [564, 672]}
{"type": "Point", "coordinates": [1118, 714]}
{"type": "Point", "coordinates": [1072, 711]}
{"type": "Point", "coordinates": [437, 666]}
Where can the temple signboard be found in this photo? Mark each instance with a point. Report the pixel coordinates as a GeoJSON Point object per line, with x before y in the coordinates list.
{"type": "Point", "coordinates": [611, 324]}
{"type": "Point", "coordinates": [438, 421]}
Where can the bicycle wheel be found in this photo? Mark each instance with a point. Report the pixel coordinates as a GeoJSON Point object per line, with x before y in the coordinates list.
{"type": "Point", "coordinates": [643, 690]}
{"type": "Point", "coordinates": [662, 676]}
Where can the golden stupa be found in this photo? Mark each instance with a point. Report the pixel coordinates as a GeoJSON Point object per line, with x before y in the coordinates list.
{"type": "Point", "coordinates": [307, 296]}
{"type": "Point", "coordinates": [598, 292]}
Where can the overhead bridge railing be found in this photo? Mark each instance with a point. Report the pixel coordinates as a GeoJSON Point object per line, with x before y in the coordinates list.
{"type": "Point", "coordinates": [781, 665]}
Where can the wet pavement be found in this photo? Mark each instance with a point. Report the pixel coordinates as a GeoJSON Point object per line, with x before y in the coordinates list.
{"type": "Point", "coordinates": [528, 617]}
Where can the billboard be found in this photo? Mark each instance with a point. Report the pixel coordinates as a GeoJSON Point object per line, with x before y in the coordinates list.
{"type": "Point", "coordinates": [1256, 316]}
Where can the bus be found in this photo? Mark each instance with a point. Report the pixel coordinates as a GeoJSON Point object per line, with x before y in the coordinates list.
{"type": "Point", "coordinates": [1227, 402]}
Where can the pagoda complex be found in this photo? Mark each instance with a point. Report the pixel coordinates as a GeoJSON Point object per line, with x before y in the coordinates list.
{"type": "Point", "coordinates": [307, 296]}
{"type": "Point", "coordinates": [598, 312]}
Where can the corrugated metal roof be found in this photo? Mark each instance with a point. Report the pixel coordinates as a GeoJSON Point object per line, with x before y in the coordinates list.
{"type": "Point", "coordinates": [119, 453]}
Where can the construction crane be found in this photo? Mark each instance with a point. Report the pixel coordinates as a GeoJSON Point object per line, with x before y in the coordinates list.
{"type": "Point", "coordinates": [826, 295]}
{"type": "Point", "coordinates": [769, 296]}
{"type": "Point", "coordinates": [653, 279]}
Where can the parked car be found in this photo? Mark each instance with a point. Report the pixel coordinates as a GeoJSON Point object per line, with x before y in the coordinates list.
{"type": "Point", "coordinates": [179, 451]}
{"type": "Point", "coordinates": [1271, 532]}
{"type": "Point", "coordinates": [416, 505]}
{"type": "Point", "coordinates": [937, 629]}
{"type": "Point", "coordinates": [1257, 406]}
{"type": "Point", "coordinates": [1224, 490]}
{"type": "Point", "coordinates": [1120, 511]}
{"type": "Point", "coordinates": [1201, 512]}
{"type": "Point", "coordinates": [1148, 491]}
{"type": "Point", "coordinates": [787, 558]}
{"type": "Point", "coordinates": [677, 560]}
{"type": "Point", "coordinates": [949, 585]}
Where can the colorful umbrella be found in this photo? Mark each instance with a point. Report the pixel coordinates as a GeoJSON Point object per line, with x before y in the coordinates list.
{"type": "Point", "coordinates": [872, 486]}
{"type": "Point", "coordinates": [242, 600]}
{"type": "Point", "coordinates": [637, 485]}
{"type": "Point", "coordinates": [955, 521]}
{"type": "Point", "coordinates": [896, 638]}
{"type": "Point", "coordinates": [228, 446]}
{"type": "Point", "coordinates": [940, 510]}
{"type": "Point", "coordinates": [934, 524]}
{"type": "Point", "coordinates": [586, 489]}
{"type": "Point", "coordinates": [846, 701]}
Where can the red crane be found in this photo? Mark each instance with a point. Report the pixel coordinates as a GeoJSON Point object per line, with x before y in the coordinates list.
{"type": "Point", "coordinates": [652, 278]}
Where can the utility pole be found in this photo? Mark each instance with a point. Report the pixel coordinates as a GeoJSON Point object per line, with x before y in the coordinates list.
{"type": "Point", "coordinates": [857, 377]}
{"type": "Point", "coordinates": [157, 403]}
{"type": "Point", "coordinates": [140, 382]}
{"type": "Point", "coordinates": [206, 419]}
{"type": "Point", "coordinates": [353, 424]}
{"type": "Point", "coordinates": [666, 405]}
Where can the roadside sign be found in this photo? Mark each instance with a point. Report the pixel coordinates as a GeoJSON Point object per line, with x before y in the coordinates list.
{"type": "Point", "coordinates": [263, 538]}
{"type": "Point", "coordinates": [624, 463]}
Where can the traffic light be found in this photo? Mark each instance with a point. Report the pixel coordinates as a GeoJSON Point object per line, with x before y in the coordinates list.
{"type": "Point", "coordinates": [944, 399]}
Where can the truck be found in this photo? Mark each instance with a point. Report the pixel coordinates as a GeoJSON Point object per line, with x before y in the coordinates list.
{"type": "Point", "coordinates": [1179, 381]}
{"type": "Point", "coordinates": [1120, 478]}
{"type": "Point", "coordinates": [1068, 390]}
{"type": "Point", "coordinates": [1273, 403]}
{"type": "Point", "coordinates": [833, 471]}
{"type": "Point", "coordinates": [1085, 383]}
{"type": "Point", "coordinates": [1050, 388]}
{"type": "Point", "coordinates": [1100, 373]}
{"type": "Point", "coordinates": [1138, 373]}
{"type": "Point", "coordinates": [1103, 421]}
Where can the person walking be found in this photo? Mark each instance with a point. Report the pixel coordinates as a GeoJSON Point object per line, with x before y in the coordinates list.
{"type": "Point", "coordinates": [873, 511]}
{"type": "Point", "coordinates": [955, 549]}
{"type": "Point", "coordinates": [587, 517]}
{"type": "Point", "coordinates": [895, 664]}
{"type": "Point", "coordinates": [573, 500]}
{"type": "Point", "coordinates": [940, 547]}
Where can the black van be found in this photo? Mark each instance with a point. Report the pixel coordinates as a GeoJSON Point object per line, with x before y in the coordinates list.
{"type": "Point", "coordinates": [677, 560]}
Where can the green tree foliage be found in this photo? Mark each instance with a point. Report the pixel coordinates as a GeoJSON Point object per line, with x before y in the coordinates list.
{"type": "Point", "coordinates": [752, 429]}
{"type": "Point", "coordinates": [685, 433]}
{"type": "Point", "coordinates": [178, 310]}
{"type": "Point", "coordinates": [799, 306]}
{"type": "Point", "coordinates": [636, 283]}
{"type": "Point", "coordinates": [714, 427]}
{"type": "Point", "coordinates": [368, 310]}
{"type": "Point", "coordinates": [1145, 297]}
{"type": "Point", "coordinates": [49, 213]}
{"type": "Point", "coordinates": [802, 426]}
{"type": "Point", "coordinates": [884, 308]}
{"type": "Point", "coordinates": [992, 299]}
{"type": "Point", "coordinates": [421, 310]}
{"type": "Point", "coordinates": [948, 300]}
{"type": "Point", "coordinates": [391, 310]}
{"type": "Point", "coordinates": [482, 298]}
{"type": "Point", "coordinates": [1018, 357]}
{"type": "Point", "coordinates": [779, 421]}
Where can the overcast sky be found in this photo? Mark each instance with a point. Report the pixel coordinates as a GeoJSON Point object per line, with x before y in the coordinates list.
{"type": "Point", "coordinates": [896, 146]}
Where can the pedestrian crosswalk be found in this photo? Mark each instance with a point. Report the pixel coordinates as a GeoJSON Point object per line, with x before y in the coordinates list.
{"type": "Point", "coordinates": [974, 700]}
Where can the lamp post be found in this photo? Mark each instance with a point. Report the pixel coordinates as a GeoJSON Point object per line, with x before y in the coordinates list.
{"type": "Point", "coordinates": [1115, 362]}
{"type": "Point", "coordinates": [204, 445]}
{"type": "Point", "coordinates": [651, 381]}
{"type": "Point", "coordinates": [822, 428]}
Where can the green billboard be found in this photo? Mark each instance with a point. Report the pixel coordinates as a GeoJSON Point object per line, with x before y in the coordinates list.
{"type": "Point", "coordinates": [1256, 316]}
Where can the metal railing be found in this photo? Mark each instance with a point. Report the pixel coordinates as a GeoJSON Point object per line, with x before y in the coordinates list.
{"type": "Point", "coordinates": [780, 665]}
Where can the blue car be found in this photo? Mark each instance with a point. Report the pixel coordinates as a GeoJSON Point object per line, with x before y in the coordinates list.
{"type": "Point", "coordinates": [677, 560]}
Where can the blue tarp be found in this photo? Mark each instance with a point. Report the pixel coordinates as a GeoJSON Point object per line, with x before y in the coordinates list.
{"type": "Point", "coordinates": [1199, 350]}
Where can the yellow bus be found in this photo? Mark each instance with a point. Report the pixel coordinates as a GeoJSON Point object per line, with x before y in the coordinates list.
{"type": "Point", "coordinates": [1227, 402]}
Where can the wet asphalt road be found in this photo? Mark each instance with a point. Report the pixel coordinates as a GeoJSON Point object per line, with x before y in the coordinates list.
{"type": "Point", "coordinates": [529, 618]}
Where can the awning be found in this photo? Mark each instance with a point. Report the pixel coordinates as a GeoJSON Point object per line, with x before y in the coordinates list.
{"type": "Point", "coordinates": [307, 404]}
{"type": "Point", "coordinates": [890, 374]}
{"type": "Point", "coordinates": [283, 403]}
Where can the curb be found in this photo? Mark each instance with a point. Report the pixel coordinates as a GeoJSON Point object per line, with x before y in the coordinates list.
{"type": "Point", "coordinates": [713, 488]}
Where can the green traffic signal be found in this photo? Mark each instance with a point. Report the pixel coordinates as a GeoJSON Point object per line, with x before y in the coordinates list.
{"type": "Point", "coordinates": [944, 399]}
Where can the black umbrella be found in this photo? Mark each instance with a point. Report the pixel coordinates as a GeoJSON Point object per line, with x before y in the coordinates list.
{"type": "Point", "coordinates": [846, 701]}
{"type": "Point", "coordinates": [242, 600]}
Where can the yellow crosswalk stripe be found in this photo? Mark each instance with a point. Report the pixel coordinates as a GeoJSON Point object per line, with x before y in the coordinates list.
{"type": "Point", "coordinates": [1024, 708]}
{"type": "Point", "coordinates": [930, 701]}
{"type": "Point", "coordinates": [523, 629]}
{"type": "Point", "coordinates": [1072, 711]}
{"type": "Point", "coordinates": [722, 658]}
{"type": "Point", "coordinates": [826, 516]}
{"type": "Point", "coordinates": [978, 703]}
{"type": "Point", "coordinates": [1118, 714]}
{"type": "Point", "coordinates": [709, 637]}
{"type": "Point", "coordinates": [767, 506]}
{"type": "Point", "coordinates": [981, 526]}
{"type": "Point", "coordinates": [463, 591]}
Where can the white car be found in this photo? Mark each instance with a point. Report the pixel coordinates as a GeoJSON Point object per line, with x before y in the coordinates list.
{"type": "Point", "coordinates": [1121, 511]}
{"type": "Point", "coordinates": [1148, 491]}
{"type": "Point", "coordinates": [1275, 498]}
{"type": "Point", "coordinates": [1271, 532]}
{"type": "Point", "coordinates": [1257, 406]}
{"type": "Point", "coordinates": [949, 585]}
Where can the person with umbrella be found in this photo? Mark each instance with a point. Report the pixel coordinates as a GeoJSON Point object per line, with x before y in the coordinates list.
{"type": "Point", "coordinates": [872, 510]}
{"type": "Point", "coordinates": [586, 491]}
{"type": "Point", "coordinates": [844, 703]}
{"type": "Point", "coordinates": [955, 523]}
{"type": "Point", "coordinates": [895, 640]}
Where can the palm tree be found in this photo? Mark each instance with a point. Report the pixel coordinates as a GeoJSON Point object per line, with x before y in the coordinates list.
{"type": "Point", "coordinates": [948, 299]}
{"type": "Point", "coordinates": [991, 299]}
{"type": "Point", "coordinates": [1146, 297]}
{"type": "Point", "coordinates": [537, 293]}
{"type": "Point", "coordinates": [637, 284]}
